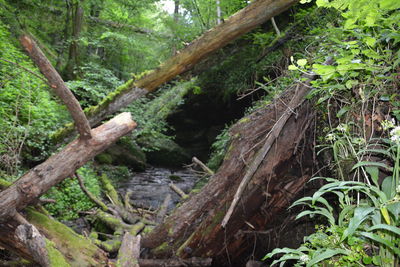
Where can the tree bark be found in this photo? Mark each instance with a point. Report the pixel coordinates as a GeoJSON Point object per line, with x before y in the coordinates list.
{"type": "Point", "coordinates": [61, 165]}
{"type": "Point", "coordinates": [240, 23]}
{"type": "Point", "coordinates": [58, 86]}
{"type": "Point", "coordinates": [73, 57]}
{"type": "Point", "coordinates": [194, 229]}
{"type": "Point", "coordinates": [129, 253]}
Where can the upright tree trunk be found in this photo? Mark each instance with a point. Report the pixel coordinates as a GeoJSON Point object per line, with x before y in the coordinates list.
{"type": "Point", "coordinates": [219, 16]}
{"type": "Point", "coordinates": [176, 20]}
{"type": "Point", "coordinates": [73, 57]}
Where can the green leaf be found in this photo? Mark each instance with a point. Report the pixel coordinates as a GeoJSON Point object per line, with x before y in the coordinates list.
{"type": "Point", "coordinates": [292, 67]}
{"type": "Point", "coordinates": [389, 4]}
{"type": "Point", "coordinates": [387, 187]}
{"type": "Point", "coordinates": [325, 71]}
{"type": "Point", "coordinates": [394, 208]}
{"type": "Point", "coordinates": [302, 62]}
{"type": "Point", "coordinates": [374, 173]}
{"type": "Point", "coordinates": [329, 253]}
{"type": "Point", "coordinates": [382, 241]}
{"type": "Point", "coordinates": [360, 215]}
{"type": "Point", "coordinates": [390, 228]}
{"type": "Point", "coordinates": [343, 110]}
{"type": "Point", "coordinates": [370, 41]}
{"type": "Point", "coordinates": [371, 163]}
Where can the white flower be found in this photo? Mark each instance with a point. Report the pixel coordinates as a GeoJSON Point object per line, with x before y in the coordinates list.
{"type": "Point", "coordinates": [386, 124]}
{"type": "Point", "coordinates": [330, 137]}
{"type": "Point", "coordinates": [395, 135]}
{"type": "Point", "coordinates": [304, 258]}
{"type": "Point", "coordinates": [342, 127]}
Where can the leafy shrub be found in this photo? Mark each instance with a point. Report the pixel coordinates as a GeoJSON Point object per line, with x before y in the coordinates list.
{"type": "Point", "coordinates": [28, 112]}
{"type": "Point", "coordinates": [69, 197]}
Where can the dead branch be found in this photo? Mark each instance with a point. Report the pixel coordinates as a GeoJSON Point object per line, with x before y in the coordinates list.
{"type": "Point", "coordinates": [202, 165]}
{"type": "Point", "coordinates": [90, 195]}
{"type": "Point", "coordinates": [272, 135]}
{"type": "Point", "coordinates": [129, 251]}
{"type": "Point", "coordinates": [41, 178]}
{"type": "Point", "coordinates": [179, 191]}
{"type": "Point", "coordinates": [58, 85]}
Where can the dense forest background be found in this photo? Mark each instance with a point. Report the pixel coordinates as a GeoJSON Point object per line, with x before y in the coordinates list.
{"type": "Point", "coordinates": [100, 46]}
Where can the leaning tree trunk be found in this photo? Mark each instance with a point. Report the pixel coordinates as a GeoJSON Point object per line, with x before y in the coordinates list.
{"type": "Point", "coordinates": [269, 157]}
{"type": "Point", "coordinates": [238, 24]}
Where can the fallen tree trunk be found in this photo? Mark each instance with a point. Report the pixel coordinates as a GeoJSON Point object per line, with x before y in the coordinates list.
{"type": "Point", "coordinates": [65, 247]}
{"type": "Point", "coordinates": [41, 178]}
{"type": "Point", "coordinates": [194, 229]}
{"type": "Point", "coordinates": [238, 24]}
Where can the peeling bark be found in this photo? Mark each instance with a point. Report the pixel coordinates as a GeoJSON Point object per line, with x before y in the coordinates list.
{"type": "Point", "coordinates": [194, 229]}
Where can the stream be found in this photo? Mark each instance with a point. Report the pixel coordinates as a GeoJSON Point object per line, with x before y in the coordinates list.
{"type": "Point", "coordinates": [149, 188]}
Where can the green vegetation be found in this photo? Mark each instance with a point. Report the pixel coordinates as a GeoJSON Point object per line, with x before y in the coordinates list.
{"type": "Point", "coordinates": [69, 197]}
{"type": "Point", "coordinates": [101, 47]}
{"type": "Point", "coordinates": [358, 96]}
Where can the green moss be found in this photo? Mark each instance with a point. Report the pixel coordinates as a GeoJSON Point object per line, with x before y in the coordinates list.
{"type": "Point", "coordinates": [104, 158]}
{"type": "Point", "coordinates": [148, 229]}
{"type": "Point", "coordinates": [55, 256]}
{"type": "Point", "coordinates": [175, 178]}
{"type": "Point", "coordinates": [216, 220]}
{"type": "Point", "coordinates": [78, 250]}
{"type": "Point", "coordinates": [4, 184]}
{"type": "Point", "coordinates": [136, 228]}
{"type": "Point", "coordinates": [244, 120]}
{"type": "Point", "coordinates": [109, 189]}
{"type": "Point", "coordinates": [161, 248]}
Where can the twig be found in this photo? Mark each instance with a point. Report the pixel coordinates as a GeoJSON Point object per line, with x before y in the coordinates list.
{"type": "Point", "coordinates": [272, 135]}
{"type": "Point", "coordinates": [278, 32]}
{"type": "Point", "coordinates": [90, 195]}
{"type": "Point", "coordinates": [179, 191]}
{"type": "Point", "coordinates": [202, 165]}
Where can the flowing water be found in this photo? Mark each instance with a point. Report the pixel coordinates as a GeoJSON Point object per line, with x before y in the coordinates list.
{"type": "Point", "coordinates": [149, 188]}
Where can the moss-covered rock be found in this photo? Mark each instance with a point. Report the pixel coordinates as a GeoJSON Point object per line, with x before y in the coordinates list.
{"type": "Point", "coordinates": [162, 151]}
{"type": "Point", "coordinates": [104, 158]}
{"type": "Point", "coordinates": [125, 152]}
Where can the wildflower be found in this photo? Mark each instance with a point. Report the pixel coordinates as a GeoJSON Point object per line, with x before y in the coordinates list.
{"type": "Point", "coordinates": [342, 127]}
{"type": "Point", "coordinates": [386, 124]}
{"type": "Point", "coordinates": [395, 135]}
{"type": "Point", "coordinates": [330, 137]}
{"type": "Point", "coordinates": [304, 258]}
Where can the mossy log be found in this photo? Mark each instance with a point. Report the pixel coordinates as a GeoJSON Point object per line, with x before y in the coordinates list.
{"type": "Point", "coordinates": [64, 246]}
{"type": "Point", "coordinates": [194, 229]}
{"type": "Point", "coordinates": [256, 13]}
{"type": "Point", "coordinates": [41, 178]}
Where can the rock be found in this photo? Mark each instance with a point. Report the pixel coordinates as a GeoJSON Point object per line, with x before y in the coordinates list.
{"type": "Point", "coordinates": [162, 151]}
{"type": "Point", "coordinates": [124, 152]}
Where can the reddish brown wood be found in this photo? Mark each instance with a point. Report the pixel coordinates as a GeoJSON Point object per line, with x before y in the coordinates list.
{"type": "Point", "coordinates": [194, 229]}
{"type": "Point", "coordinates": [61, 165]}
{"type": "Point", "coordinates": [58, 85]}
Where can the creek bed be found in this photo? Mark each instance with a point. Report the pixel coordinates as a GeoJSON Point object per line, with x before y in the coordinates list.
{"type": "Point", "coordinates": [149, 188]}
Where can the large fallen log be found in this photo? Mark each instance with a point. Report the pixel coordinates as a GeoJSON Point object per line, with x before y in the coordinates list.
{"type": "Point", "coordinates": [238, 24]}
{"type": "Point", "coordinates": [41, 178]}
{"type": "Point", "coordinates": [275, 175]}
